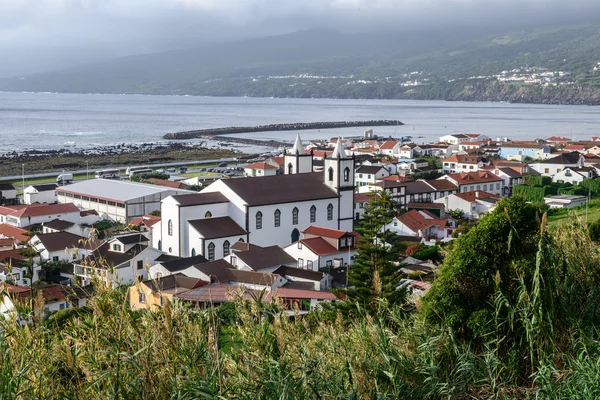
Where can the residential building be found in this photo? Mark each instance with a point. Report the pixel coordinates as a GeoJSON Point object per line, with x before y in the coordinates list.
{"type": "Point", "coordinates": [390, 148]}
{"type": "Point", "coordinates": [250, 257]}
{"type": "Point", "coordinates": [152, 294]}
{"type": "Point", "coordinates": [323, 248]}
{"type": "Point", "coordinates": [370, 174]}
{"type": "Point", "coordinates": [167, 183]}
{"type": "Point", "coordinates": [464, 163]}
{"type": "Point", "coordinates": [554, 165]}
{"type": "Point", "coordinates": [436, 209]}
{"type": "Point", "coordinates": [421, 224]}
{"type": "Point", "coordinates": [260, 168]}
{"type": "Point", "coordinates": [60, 225]}
{"type": "Point", "coordinates": [575, 175]}
{"type": "Point", "coordinates": [8, 194]}
{"type": "Point", "coordinates": [35, 214]}
{"type": "Point", "coordinates": [360, 200]}
{"type": "Point", "coordinates": [481, 180]}
{"type": "Point", "coordinates": [18, 272]}
{"type": "Point", "coordinates": [519, 151]}
{"type": "Point", "coordinates": [44, 193]}
{"type": "Point", "coordinates": [166, 265]}
{"type": "Point", "coordinates": [455, 139]}
{"type": "Point", "coordinates": [405, 152]}
{"type": "Point", "coordinates": [473, 204]}
{"type": "Point", "coordinates": [418, 191]}
{"type": "Point", "coordinates": [118, 200]}
{"type": "Point", "coordinates": [63, 246]}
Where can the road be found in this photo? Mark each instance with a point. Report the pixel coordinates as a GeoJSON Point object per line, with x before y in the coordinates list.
{"type": "Point", "coordinates": [92, 172]}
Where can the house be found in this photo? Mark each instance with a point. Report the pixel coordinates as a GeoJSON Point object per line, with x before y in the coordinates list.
{"type": "Point", "coordinates": [60, 225]}
{"type": "Point", "coordinates": [54, 298]}
{"type": "Point", "coordinates": [167, 183]}
{"type": "Point", "coordinates": [35, 214]}
{"type": "Point", "coordinates": [390, 148]}
{"type": "Point", "coordinates": [455, 139]}
{"type": "Point", "coordinates": [464, 163]}
{"type": "Point", "coordinates": [554, 165]}
{"type": "Point", "coordinates": [78, 296]}
{"type": "Point", "coordinates": [565, 201]}
{"type": "Point", "coordinates": [152, 294]}
{"type": "Point", "coordinates": [119, 261]}
{"type": "Point", "coordinates": [519, 151]}
{"type": "Point", "coordinates": [481, 180]}
{"type": "Point", "coordinates": [299, 278]}
{"type": "Point", "coordinates": [593, 150]}
{"type": "Point", "coordinates": [405, 152]}
{"type": "Point", "coordinates": [477, 137]}
{"type": "Point", "coordinates": [369, 174]}
{"type": "Point", "coordinates": [17, 235]}
{"type": "Point", "coordinates": [261, 168]}
{"type": "Point", "coordinates": [8, 194]}
{"type": "Point", "coordinates": [17, 272]}
{"type": "Point", "coordinates": [360, 200]}
{"type": "Point", "coordinates": [323, 248]}
{"type": "Point", "coordinates": [266, 211]}
{"type": "Point", "coordinates": [418, 191]}
{"type": "Point", "coordinates": [473, 204]}
{"type": "Point", "coordinates": [44, 193]}
{"type": "Point", "coordinates": [510, 176]}
{"type": "Point", "coordinates": [422, 224]}
{"type": "Point", "coordinates": [250, 257]}
{"type": "Point", "coordinates": [558, 140]}
{"type": "Point", "coordinates": [436, 209]}
{"type": "Point", "coordinates": [62, 246]}
{"type": "Point", "coordinates": [151, 225]}
{"type": "Point", "coordinates": [166, 265]}
{"type": "Point", "coordinates": [575, 147]}
{"type": "Point", "coordinates": [575, 175]}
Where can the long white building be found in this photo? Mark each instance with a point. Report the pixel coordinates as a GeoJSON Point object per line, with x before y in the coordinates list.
{"type": "Point", "coordinates": [265, 211]}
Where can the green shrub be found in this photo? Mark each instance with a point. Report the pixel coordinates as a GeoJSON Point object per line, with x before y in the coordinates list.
{"type": "Point", "coordinates": [427, 254]}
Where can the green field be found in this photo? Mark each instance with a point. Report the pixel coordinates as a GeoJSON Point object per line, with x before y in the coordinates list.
{"type": "Point", "coordinates": [593, 214]}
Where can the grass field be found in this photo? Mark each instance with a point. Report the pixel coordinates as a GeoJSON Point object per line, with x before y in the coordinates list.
{"type": "Point", "coordinates": [593, 214]}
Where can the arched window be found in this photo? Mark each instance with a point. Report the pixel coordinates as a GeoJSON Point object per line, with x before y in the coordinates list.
{"type": "Point", "coordinates": [290, 168]}
{"type": "Point", "coordinates": [208, 214]}
{"type": "Point", "coordinates": [211, 251]}
{"type": "Point", "coordinates": [295, 216]}
{"type": "Point", "coordinates": [277, 218]}
{"type": "Point", "coordinates": [329, 212]}
{"type": "Point", "coordinates": [226, 248]}
{"type": "Point", "coordinates": [170, 250]}
{"type": "Point", "coordinates": [346, 174]}
{"type": "Point", "coordinates": [193, 252]}
{"type": "Point", "coordinates": [330, 174]}
{"type": "Point", "coordinates": [170, 228]}
{"type": "Point", "coordinates": [259, 220]}
{"type": "Point", "coordinates": [160, 245]}
{"type": "Point", "coordinates": [313, 214]}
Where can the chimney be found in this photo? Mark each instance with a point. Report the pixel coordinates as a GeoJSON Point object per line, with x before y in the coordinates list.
{"type": "Point", "coordinates": [477, 194]}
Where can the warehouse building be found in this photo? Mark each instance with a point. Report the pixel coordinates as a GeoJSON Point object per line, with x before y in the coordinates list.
{"type": "Point", "coordinates": [119, 200]}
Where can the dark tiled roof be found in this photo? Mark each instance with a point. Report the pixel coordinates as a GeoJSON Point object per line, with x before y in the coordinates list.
{"type": "Point", "coordinates": [47, 187]}
{"type": "Point", "coordinates": [166, 257]}
{"type": "Point", "coordinates": [6, 186]}
{"type": "Point", "coordinates": [60, 241]}
{"type": "Point", "coordinates": [103, 257]}
{"type": "Point", "coordinates": [223, 272]}
{"type": "Point", "coordinates": [281, 188]}
{"type": "Point", "coordinates": [369, 169]}
{"type": "Point", "coordinates": [426, 206]}
{"type": "Point", "coordinates": [265, 257]}
{"type": "Point", "coordinates": [131, 239]}
{"type": "Point", "coordinates": [299, 273]}
{"type": "Point", "coordinates": [197, 199]}
{"type": "Point", "coordinates": [417, 187]}
{"type": "Point", "coordinates": [563, 159]}
{"type": "Point", "coordinates": [325, 232]}
{"type": "Point", "coordinates": [59, 224]}
{"type": "Point", "coordinates": [178, 264]}
{"type": "Point", "coordinates": [441, 184]}
{"type": "Point", "coordinates": [213, 228]}
{"type": "Point", "coordinates": [174, 282]}
{"type": "Point", "coordinates": [510, 172]}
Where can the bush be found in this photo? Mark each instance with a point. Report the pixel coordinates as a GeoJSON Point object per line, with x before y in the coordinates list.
{"type": "Point", "coordinates": [427, 254]}
{"type": "Point", "coordinates": [414, 248]}
{"type": "Point", "coordinates": [537, 180]}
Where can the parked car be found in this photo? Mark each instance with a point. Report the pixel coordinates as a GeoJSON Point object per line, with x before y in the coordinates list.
{"type": "Point", "coordinates": [171, 170]}
{"type": "Point", "coordinates": [223, 164]}
{"type": "Point", "coordinates": [183, 170]}
{"type": "Point", "coordinates": [202, 169]}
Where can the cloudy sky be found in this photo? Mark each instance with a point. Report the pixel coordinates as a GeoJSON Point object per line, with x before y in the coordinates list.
{"type": "Point", "coordinates": [42, 33]}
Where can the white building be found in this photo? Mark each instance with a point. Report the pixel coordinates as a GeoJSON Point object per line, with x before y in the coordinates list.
{"type": "Point", "coordinates": [36, 214]}
{"type": "Point", "coordinates": [481, 180]}
{"type": "Point", "coordinates": [455, 139]}
{"type": "Point", "coordinates": [265, 211]}
{"type": "Point", "coordinates": [323, 248]}
{"type": "Point", "coordinates": [574, 175]}
{"type": "Point", "coordinates": [390, 148]}
{"type": "Point", "coordinates": [473, 204]}
{"type": "Point", "coordinates": [565, 201]}
{"type": "Point", "coordinates": [8, 194]}
{"type": "Point", "coordinates": [421, 224]}
{"type": "Point", "coordinates": [62, 246]}
{"type": "Point", "coordinates": [119, 200]}
{"type": "Point", "coordinates": [45, 193]}
{"type": "Point", "coordinates": [553, 166]}
{"type": "Point", "coordinates": [370, 174]}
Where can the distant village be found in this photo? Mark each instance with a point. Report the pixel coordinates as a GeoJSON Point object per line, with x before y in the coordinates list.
{"type": "Point", "coordinates": [286, 226]}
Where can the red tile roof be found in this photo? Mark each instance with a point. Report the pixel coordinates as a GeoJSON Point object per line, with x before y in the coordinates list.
{"type": "Point", "coordinates": [574, 147]}
{"type": "Point", "coordinates": [437, 206]}
{"type": "Point", "coordinates": [473, 177]}
{"type": "Point", "coordinates": [416, 221]}
{"type": "Point", "coordinates": [11, 254]}
{"type": "Point", "coordinates": [12, 231]}
{"type": "Point", "coordinates": [463, 159]}
{"type": "Point", "coordinates": [35, 210]}
{"type": "Point", "coordinates": [361, 197]}
{"type": "Point", "coordinates": [319, 246]}
{"type": "Point", "coordinates": [326, 232]}
{"type": "Point", "coordinates": [167, 183]}
{"type": "Point", "coordinates": [261, 165]}
{"type": "Point", "coordinates": [476, 194]}
{"type": "Point", "coordinates": [388, 145]}
{"type": "Point", "coordinates": [148, 220]}
{"type": "Point", "coordinates": [277, 160]}
{"type": "Point", "coordinates": [397, 178]}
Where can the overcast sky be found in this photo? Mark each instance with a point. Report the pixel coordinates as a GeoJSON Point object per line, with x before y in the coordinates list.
{"type": "Point", "coordinates": [55, 30]}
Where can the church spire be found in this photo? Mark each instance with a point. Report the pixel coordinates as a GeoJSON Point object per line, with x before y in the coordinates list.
{"type": "Point", "coordinates": [298, 147]}
{"type": "Point", "coordinates": [338, 151]}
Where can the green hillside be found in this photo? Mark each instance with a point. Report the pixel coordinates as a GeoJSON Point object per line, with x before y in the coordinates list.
{"type": "Point", "coordinates": [322, 63]}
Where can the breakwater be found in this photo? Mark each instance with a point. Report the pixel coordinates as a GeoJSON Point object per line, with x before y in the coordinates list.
{"type": "Point", "coordinates": [200, 133]}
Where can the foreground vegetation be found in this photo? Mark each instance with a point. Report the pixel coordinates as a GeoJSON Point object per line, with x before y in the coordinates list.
{"type": "Point", "coordinates": [513, 314]}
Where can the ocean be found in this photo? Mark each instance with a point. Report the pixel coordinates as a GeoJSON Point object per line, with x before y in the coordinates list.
{"type": "Point", "coordinates": [43, 121]}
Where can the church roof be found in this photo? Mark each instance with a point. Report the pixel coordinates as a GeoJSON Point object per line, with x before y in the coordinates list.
{"type": "Point", "coordinates": [213, 228]}
{"type": "Point", "coordinates": [298, 147]}
{"type": "Point", "coordinates": [338, 150]}
{"type": "Point", "coordinates": [279, 189]}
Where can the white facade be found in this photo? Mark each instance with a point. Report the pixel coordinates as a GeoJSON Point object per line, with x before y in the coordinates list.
{"type": "Point", "coordinates": [365, 176]}
{"type": "Point", "coordinates": [565, 201]}
{"type": "Point", "coordinates": [454, 139]}
{"type": "Point", "coordinates": [471, 209]}
{"type": "Point", "coordinates": [569, 175]}
{"type": "Point", "coordinates": [307, 259]}
{"type": "Point", "coordinates": [31, 195]}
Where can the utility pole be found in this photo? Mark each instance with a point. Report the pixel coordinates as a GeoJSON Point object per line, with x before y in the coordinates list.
{"type": "Point", "coordinates": [586, 204]}
{"type": "Point", "coordinates": [87, 167]}
{"type": "Point", "coordinates": [23, 176]}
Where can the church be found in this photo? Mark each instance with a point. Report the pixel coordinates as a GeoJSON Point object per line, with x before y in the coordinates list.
{"type": "Point", "coordinates": [266, 211]}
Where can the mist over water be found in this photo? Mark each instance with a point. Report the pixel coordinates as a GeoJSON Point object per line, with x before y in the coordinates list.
{"type": "Point", "coordinates": [45, 121]}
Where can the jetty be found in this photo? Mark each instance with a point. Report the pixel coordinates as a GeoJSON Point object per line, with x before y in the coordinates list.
{"type": "Point", "coordinates": [299, 126]}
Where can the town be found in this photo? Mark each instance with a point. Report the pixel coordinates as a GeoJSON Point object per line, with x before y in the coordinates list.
{"type": "Point", "coordinates": [286, 225]}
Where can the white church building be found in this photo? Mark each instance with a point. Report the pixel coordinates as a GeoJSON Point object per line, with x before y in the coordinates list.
{"type": "Point", "coordinates": [265, 211]}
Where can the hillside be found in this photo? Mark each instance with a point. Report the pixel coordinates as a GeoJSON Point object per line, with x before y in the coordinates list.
{"type": "Point", "coordinates": [548, 65]}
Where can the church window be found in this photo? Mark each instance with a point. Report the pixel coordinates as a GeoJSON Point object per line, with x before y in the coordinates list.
{"type": "Point", "coordinates": [160, 245]}
{"type": "Point", "coordinates": [295, 216]}
{"type": "Point", "coordinates": [290, 168]}
{"type": "Point", "coordinates": [330, 174]}
{"type": "Point", "coordinates": [346, 174]}
{"type": "Point", "coordinates": [170, 228]}
{"type": "Point", "coordinates": [277, 218]}
{"type": "Point", "coordinates": [193, 252]}
{"type": "Point", "coordinates": [329, 212]}
{"type": "Point", "coordinates": [259, 220]}
{"type": "Point", "coordinates": [211, 251]}
{"type": "Point", "coordinates": [226, 248]}
{"type": "Point", "coordinates": [313, 214]}
{"type": "Point", "coordinates": [208, 214]}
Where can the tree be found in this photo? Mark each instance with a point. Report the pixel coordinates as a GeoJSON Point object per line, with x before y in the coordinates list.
{"type": "Point", "coordinates": [155, 213]}
{"type": "Point", "coordinates": [594, 230]}
{"type": "Point", "coordinates": [502, 248]}
{"type": "Point", "coordinates": [373, 276]}
{"type": "Point", "coordinates": [458, 214]}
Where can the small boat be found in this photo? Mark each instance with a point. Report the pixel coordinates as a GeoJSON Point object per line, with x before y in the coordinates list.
{"type": "Point", "coordinates": [69, 144]}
